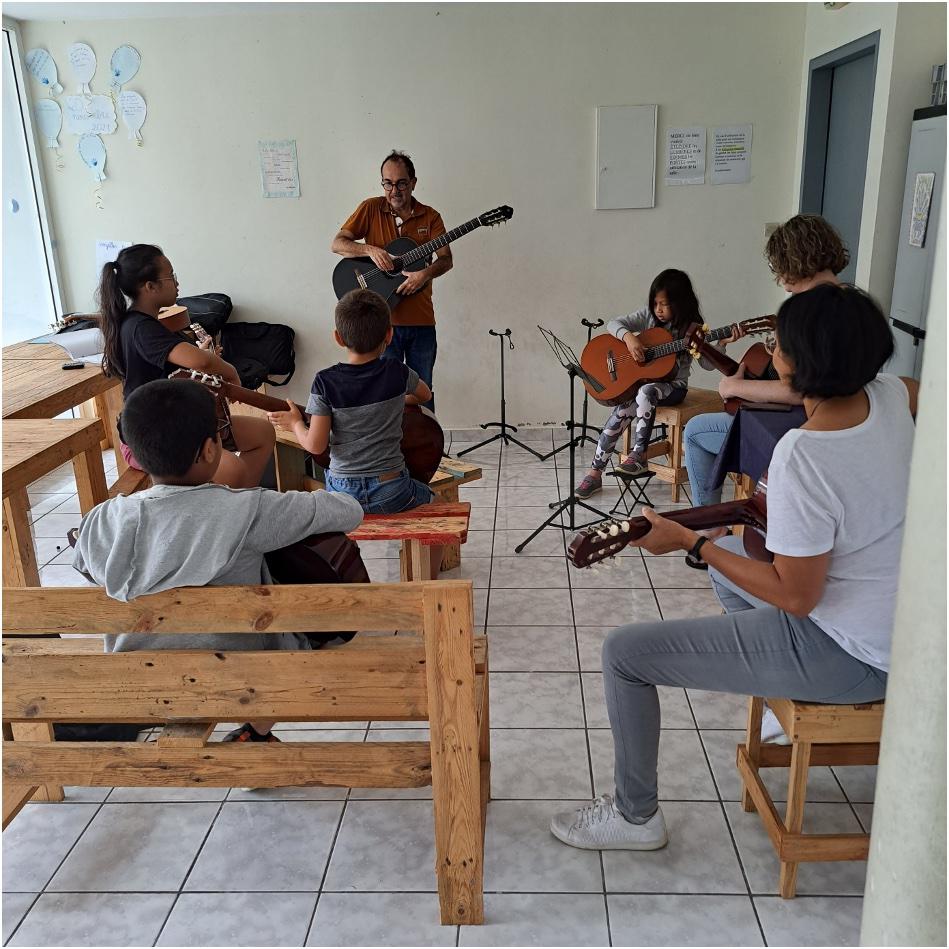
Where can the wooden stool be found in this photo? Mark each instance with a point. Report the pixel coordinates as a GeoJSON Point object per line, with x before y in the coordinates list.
{"type": "Point", "coordinates": [697, 402]}
{"type": "Point", "coordinates": [820, 735]}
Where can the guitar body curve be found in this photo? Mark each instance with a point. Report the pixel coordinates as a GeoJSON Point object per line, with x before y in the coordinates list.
{"type": "Point", "coordinates": [755, 363]}
{"type": "Point", "coordinates": [607, 360]}
{"type": "Point", "coordinates": [379, 281]}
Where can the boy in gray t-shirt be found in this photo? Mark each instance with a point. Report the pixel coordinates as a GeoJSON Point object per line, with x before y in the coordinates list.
{"type": "Point", "coordinates": [185, 531]}
{"type": "Point", "coordinates": [356, 410]}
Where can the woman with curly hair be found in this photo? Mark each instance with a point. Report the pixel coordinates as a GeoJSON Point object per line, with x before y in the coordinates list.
{"type": "Point", "coordinates": [802, 253]}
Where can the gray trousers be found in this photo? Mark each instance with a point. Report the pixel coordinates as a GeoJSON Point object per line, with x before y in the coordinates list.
{"type": "Point", "coordinates": [755, 649]}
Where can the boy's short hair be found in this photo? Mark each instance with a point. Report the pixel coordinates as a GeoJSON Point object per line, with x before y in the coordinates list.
{"type": "Point", "coordinates": [166, 422]}
{"type": "Point", "coordinates": [804, 246]}
{"type": "Point", "coordinates": [362, 320]}
{"type": "Point", "coordinates": [836, 337]}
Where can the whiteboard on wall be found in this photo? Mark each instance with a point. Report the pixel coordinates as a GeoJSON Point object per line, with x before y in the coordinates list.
{"type": "Point", "coordinates": [626, 156]}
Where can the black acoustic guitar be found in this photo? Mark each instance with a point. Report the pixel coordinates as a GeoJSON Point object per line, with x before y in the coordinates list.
{"type": "Point", "coordinates": [353, 273]}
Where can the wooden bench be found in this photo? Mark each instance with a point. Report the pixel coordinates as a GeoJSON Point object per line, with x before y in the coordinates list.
{"type": "Point", "coordinates": [419, 530]}
{"type": "Point", "coordinates": [440, 676]}
{"type": "Point", "coordinates": [820, 735]}
{"type": "Point", "coordinates": [130, 481]}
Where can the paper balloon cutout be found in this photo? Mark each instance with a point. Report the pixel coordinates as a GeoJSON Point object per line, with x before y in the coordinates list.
{"type": "Point", "coordinates": [43, 69]}
{"type": "Point", "coordinates": [90, 115]}
{"type": "Point", "coordinates": [133, 109]}
{"type": "Point", "coordinates": [49, 117]}
{"type": "Point", "coordinates": [125, 64]}
{"type": "Point", "coordinates": [83, 62]}
{"type": "Point", "coordinates": [92, 152]}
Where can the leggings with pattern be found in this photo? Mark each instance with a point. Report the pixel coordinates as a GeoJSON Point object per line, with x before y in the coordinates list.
{"type": "Point", "coordinates": [643, 409]}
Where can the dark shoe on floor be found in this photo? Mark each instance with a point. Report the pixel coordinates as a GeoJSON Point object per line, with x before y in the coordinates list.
{"type": "Point", "coordinates": [247, 733]}
{"type": "Point", "coordinates": [632, 465]}
{"type": "Point", "coordinates": [588, 487]}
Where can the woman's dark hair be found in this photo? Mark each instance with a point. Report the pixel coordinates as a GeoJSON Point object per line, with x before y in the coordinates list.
{"type": "Point", "coordinates": [124, 277]}
{"type": "Point", "coordinates": [362, 320]}
{"type": "Point", "coordinates": [166, 422]}
{"type": "Point", "coordinates": [396, 155]}
{"type": "Point", "coordinates": [805, 246]}
{"type": "Point", "coordinates": [682, 299]}
{"type": "Point", "coordinates": [836, 338]}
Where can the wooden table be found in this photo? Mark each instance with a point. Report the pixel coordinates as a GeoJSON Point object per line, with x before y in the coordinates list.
{"type": "Point", "coordinates": [40, 388]}
{"type": "Point", "coordinates": [31, 350]}
{"type": "Point", "coordinates": [33, 448]}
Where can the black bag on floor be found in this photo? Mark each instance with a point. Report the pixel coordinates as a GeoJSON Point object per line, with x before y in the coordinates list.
{"type": "Point", "coordinates": [210, 310]}
{"type": "Point", "coordinates": [88, 731]}
{"type": "Point", "coordinates": [259, 351]}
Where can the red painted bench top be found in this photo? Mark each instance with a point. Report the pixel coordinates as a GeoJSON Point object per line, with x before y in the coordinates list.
{"type": "Point", "coordinates": [429, 524]}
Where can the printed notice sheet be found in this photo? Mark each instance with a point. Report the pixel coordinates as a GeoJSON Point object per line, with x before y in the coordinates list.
{"type": "Point", "coordinates": [731, 155]}
{"type": "Point", "coordinates": [685, 156]}
{"type": "Point", "coordinates": [279, 175]}
{"type": "Point", "coordinates": [922, 198]}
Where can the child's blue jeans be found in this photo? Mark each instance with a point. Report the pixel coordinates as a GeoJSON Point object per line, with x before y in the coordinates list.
{"type": "Point", "coordinates": [391, 496]}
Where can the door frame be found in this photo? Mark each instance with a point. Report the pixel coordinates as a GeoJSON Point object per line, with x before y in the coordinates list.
{"type": "Point", "coordinates": [18, 62]}
{"type": "Point", "coordinates": [817, 118]}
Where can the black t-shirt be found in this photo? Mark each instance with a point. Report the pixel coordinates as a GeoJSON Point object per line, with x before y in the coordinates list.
{"type": "Point", "coordinates": [145, 347]}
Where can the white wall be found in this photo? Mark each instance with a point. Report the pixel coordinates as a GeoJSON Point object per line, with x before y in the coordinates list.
{"type": "Point", "coordinates": [496, 104]}
{"type": "Point", "coordinates": [912, 41]}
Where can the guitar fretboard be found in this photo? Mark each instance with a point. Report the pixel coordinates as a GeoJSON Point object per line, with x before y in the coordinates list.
{"type": "Point", "coordinates": [678, 345]}
{"type": "Point", "coordinates": [426, 250]}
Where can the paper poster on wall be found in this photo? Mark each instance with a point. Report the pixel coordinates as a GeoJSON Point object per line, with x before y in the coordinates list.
{"type": "Point", "coordinates": [124, 66]}
{"type": "Point", "coordinates": [49, 118]}
{"type": "Point", "coordinates": [106, 252]}
{"type": "Point", "coordinates": [133, 109]}
{"type": "Point", "coordinates": [92, 152]}
{"type": "Point", "coordinates": [93, 115]}
{"type": "Point", "coordinates": [731, 155]}
{"type": "Point", "coordinates": [42, 68]}
{"type": "Point", "coordinates": [279, 174]}
{"type": "Point", "coordinates": [685, 156]}
{"type": "Point", "coordinates": [922, 198]}
{"type": "Point", "coordinates": [82, 61]}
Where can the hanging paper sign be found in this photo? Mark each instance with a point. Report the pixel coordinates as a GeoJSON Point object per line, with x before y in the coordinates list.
{"type": "Point", "coordinates": [49, 117]}
{"type": "Point", "coordinates": [90, 114]}
{"type": "Point", "coordinates": [133, 109]}
{"type": "Point", "coordinates": [42, 68]}
{"type": "Point", "coordinates": [92, 152]}
{"type": "Point", "coordinates": [125, 64]}
{"type": "Point", "coordinates": [83, 62]}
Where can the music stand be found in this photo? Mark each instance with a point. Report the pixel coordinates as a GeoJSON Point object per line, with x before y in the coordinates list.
{"type": "Point", "coordinates": [584, 435]}
{"type": "Point", "coordinates": [568, 359]}
{"type": "Point", "coordinates": [503, 424]}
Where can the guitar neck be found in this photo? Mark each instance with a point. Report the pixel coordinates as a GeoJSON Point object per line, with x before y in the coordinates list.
{"type": "Point", "coordinates": [426, 250]}
{"type": "Point", "coordinates": [257, 399]}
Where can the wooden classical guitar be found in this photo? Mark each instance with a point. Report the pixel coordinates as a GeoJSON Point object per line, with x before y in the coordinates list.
{"type": "Point", "coordinates": [352, 273]}
{"type": "Point", "coordinates": [607, 538]}
{"type": "Point", "coordinates": [606, 358]}
{"type": "Point", "coordinates": [754, 362]}
{"type": "Point", "coordinates": [423, 441]}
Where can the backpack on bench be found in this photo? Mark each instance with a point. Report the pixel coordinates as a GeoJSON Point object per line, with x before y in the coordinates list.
{"type": "Point", "coordinates": [259, 351]}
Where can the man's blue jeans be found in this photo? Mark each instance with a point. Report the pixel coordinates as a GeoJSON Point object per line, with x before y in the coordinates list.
{"type": "Point", "coordinates": [416, 346]}
{"type": "Point", "coordinates": [704, 437]}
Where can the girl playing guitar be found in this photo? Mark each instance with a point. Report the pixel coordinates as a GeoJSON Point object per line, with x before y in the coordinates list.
{"type": "Point", "coordinates": [816, 623]}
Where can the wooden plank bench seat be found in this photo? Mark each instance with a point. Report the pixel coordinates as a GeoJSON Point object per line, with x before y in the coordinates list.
{"type": "Point", "coordinates": [440, 675]}
{"type": "Point", "coordinates": [130, 481]}
{"type": "Point", "coordinates": [424, 527]}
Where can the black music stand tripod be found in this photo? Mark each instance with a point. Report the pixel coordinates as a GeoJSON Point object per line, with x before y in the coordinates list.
{"type": "Point", "coordinates": [585, 429]}
{"type": "Point", "coordinates": [568, 359]}
{"type": "Point", "coordinates": [503, 424]}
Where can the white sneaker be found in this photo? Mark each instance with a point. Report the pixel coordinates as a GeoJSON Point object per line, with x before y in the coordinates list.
{"type": "Point", "coordinates": [771, 729]}
{"type": "Point", "coordinates": [600, 826]}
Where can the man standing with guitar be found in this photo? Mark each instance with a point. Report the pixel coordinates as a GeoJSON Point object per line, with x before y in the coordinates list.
{"type": "Point", "coordinates": [378, 222]}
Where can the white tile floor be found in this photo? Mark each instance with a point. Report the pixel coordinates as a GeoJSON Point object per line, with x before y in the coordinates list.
{"type": "Point", "coordinates": [325, 867]}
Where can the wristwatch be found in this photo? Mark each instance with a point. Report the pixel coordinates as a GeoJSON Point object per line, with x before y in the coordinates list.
{"type": "Point", "coordinates": [694, 556]}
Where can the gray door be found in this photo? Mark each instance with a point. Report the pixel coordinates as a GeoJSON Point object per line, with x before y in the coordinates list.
{"type": "Point", "coordinates": [848, 141]}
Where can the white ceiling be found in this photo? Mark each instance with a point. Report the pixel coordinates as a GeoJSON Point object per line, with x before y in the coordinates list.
{"type": "Point", "coordinates": [125, 10]}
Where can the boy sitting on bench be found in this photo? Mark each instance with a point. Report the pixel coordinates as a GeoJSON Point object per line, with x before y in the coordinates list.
{"type": "Point", "coordinates": [186, 531]}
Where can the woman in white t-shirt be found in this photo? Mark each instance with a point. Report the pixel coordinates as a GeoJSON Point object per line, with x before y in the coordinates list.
{"type": "Point", "coordinates": [816, 623]}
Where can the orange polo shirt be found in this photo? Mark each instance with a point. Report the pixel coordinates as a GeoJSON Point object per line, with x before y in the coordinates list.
{"type": "Point", "coordinates": [375, 223]}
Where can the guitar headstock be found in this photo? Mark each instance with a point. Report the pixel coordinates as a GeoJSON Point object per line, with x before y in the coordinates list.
{"type": "Point", "coordinates": [497, 216]}
{"type": "Point", "coordinates": [759, 325]}
{"type": "Point", "coordinates": [193, 375]}
{"type": "Point", "coordinates": [600, 541]}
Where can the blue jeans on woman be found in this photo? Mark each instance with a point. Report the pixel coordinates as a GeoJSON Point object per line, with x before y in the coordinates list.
{"type": "Point", "coordinates": [704, 436]}
{"type": "Point", "coordinates": [383, 497]}
{"type": "Point", "coordinates": [417, 347]}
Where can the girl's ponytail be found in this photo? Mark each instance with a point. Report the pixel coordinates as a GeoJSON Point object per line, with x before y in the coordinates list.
{"type": "Point", "coordinates": [122, 279]}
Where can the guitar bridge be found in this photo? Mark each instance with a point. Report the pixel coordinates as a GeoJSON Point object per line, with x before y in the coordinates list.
{"type": "Point", "coordinates": [611, 365]}
{"type": "Point", "coordinates": [361, 280]}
